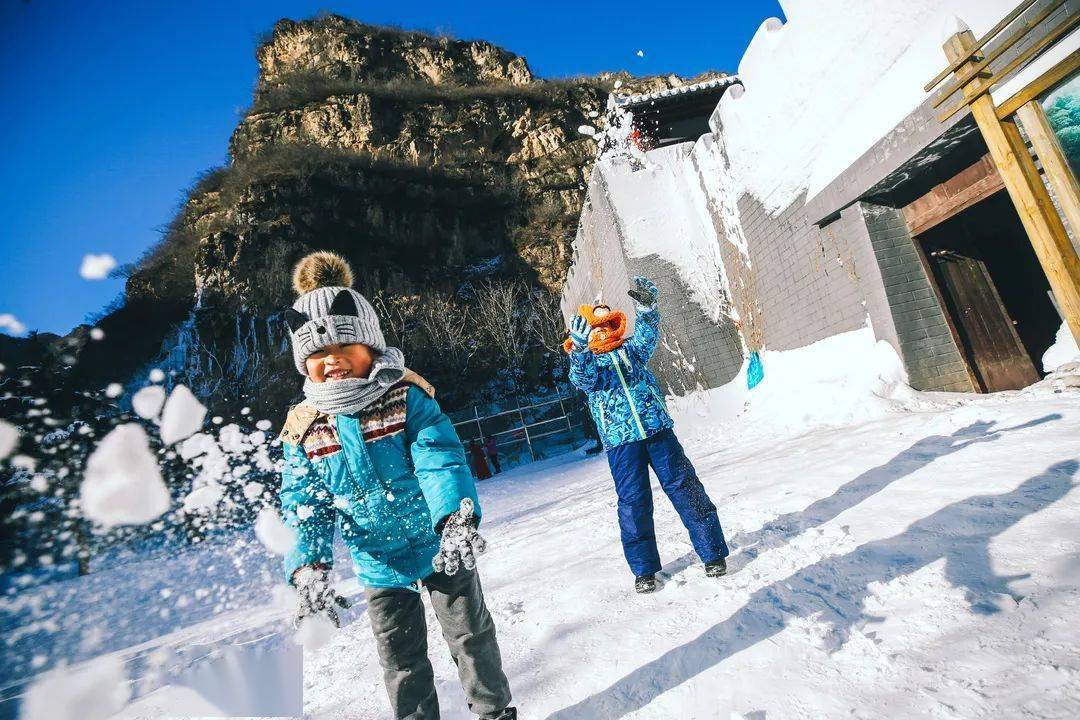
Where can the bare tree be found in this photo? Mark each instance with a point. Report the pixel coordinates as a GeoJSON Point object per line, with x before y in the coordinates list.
{"type": "Point", "coordinates": [548, 325]}
{"type": "Point", "coordinates": [398, 314]}
{"type": "Point", "coordinates": [503, 318]}
{"type": "Point", "coordinates": [447, 324]}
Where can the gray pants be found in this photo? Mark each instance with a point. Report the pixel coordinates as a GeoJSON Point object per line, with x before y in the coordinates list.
{"type": "Point", "coordinates": [397, 618]}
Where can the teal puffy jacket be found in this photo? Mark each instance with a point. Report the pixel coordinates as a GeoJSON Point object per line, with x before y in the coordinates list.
{"type": "Point", "coordinates": [384, 478]}
{"type": "Point", "coordinates": [624, 397]}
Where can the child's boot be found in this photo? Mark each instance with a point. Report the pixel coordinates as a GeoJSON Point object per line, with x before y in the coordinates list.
{"type": "Point", "coordinates": [645, 584]}
{"type": "Point", "coordinates": [716, 568]}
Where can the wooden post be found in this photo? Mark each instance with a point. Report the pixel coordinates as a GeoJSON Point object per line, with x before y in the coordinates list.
{"type": "Point", "coordinates": [1022, 181]}
{"type": "Point", "coordinates": [1058, 173]}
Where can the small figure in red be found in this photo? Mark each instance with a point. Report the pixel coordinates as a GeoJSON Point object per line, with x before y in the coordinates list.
{"type": "Point", "coordinates": [479, 462]}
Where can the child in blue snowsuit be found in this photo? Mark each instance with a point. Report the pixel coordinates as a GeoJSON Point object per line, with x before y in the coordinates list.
{"type": "Point", "coordinates": [631, 415]}
{"type": "Point", "coordinates": [369, 454]}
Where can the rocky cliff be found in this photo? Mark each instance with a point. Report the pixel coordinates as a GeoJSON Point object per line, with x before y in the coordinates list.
{"type": "Point", "coordinates": [433, 164]}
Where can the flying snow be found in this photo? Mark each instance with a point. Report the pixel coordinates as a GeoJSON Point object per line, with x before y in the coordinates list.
{"type": "Point", "coordinates": [157, 375]}
{"type": "Point", "coordinates": [204, 498]}
{"type": "Point", "coordinates": [183, 415]}
{"type": "Point", "coordinates": [278, 537]}
{"type": "Point", "coordinates": [9, 438]}
{"type": "Point", "coordinates": [123, 484]}
{"type": "Point", "coordinates": [114, 390]}
{"type": "Point", "coordinates": [314, 632]}
{"type": "Point", "coordinates": [147, 401]}
{"type": "Point", "coordinates": [97, 267]}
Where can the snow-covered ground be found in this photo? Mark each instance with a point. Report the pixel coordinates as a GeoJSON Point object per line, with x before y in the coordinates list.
{"type": "Point", "coordinates": [924, 564]}
{"type": "Point", "coordinates": [895, 554]}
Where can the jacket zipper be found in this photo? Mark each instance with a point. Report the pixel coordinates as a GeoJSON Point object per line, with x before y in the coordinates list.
{"type": "Point", "coordinates": [629, 399]}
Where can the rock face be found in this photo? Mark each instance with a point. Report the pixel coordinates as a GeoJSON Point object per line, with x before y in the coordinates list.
{"type": "Point", "coordinates": [430, 163]}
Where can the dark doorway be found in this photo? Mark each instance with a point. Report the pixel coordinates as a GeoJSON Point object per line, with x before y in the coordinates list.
{"type": "Point", "coordinates": [994, 291]}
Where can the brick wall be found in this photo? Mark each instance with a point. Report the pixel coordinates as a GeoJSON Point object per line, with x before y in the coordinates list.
{"type": "Point", "coordinates": [926, 343]}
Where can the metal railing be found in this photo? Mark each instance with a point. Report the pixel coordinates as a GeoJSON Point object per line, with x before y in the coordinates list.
{"type": "Point", "coordinates": [524, 424]}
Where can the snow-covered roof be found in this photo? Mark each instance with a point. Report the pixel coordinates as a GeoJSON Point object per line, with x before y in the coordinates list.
{"type": "Point", "coordinates": [720, 82]}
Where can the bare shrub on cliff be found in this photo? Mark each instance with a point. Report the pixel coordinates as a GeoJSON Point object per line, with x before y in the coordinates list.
{"type": "Point", "coordinates": [547, 323]}
{"type": "Point", "coordinates": [503, 318]}
{"type": "Point", "coordinates": [449, 326]}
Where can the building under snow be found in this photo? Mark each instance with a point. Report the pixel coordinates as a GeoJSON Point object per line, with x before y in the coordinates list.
{"type": "Point", "coordinates": [871, 163]}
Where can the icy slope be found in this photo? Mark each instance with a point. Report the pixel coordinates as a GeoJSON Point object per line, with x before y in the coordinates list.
{"type": "Point", "coordinates": [923, 564]}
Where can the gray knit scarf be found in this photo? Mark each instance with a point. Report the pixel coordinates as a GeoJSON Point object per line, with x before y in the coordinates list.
{"type": "Point", "coordinates": [344, 397]}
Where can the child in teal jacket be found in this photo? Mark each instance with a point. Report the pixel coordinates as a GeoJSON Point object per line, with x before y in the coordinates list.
{"type": "Point", "coordinates": [370, 454]}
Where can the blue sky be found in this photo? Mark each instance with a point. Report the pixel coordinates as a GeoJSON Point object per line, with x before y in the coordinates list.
{"type": "Point", "coordinates": [110, 108]}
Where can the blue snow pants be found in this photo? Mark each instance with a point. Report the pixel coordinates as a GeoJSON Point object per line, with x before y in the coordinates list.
{"type": "Point", "coordinates": [629, 465]}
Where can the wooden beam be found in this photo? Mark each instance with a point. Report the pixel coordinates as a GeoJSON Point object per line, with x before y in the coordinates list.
{"type": "Point", "coordinates": [1058, 172]}
{"type": "Point", "coordinates": [980, 66]}
{"type": "Point", "coordinates": [955, 65]}
{"type": "Point", "coordinates": [950, 198]}
{"type": "Point", "coordinates": [1044, 228]}
{"type": "Point", "coordinates": [1049, 39]}
{"type": "Point", "coordinates": [1039, 85]}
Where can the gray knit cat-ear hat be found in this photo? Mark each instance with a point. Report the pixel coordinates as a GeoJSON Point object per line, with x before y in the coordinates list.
{"type": "Point", "coordinates": [329, 311]}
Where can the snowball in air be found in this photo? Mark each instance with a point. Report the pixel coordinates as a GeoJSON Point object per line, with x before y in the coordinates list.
{"type": "Point", "coordinates": [314, 632]}
{"type": "Point", "coordinates": [97, 267]}
{"type": "Point", "coordinates": [204, 497]}
{"type": "Point", "coordinates": [97, 333]}
{"type": "Point", "coordinates": [278, 537]}
{"type": "Point", "coordinates": [157, 375]}
{"type": "Point", "coordinates": [95, 691]}
{"type": "Point", "coordinates": [114, 390]}
{"type": "Point", "coordinates": [264, 425]}
{"type": "Point", "coordinates": [640, 53]}
{"type": "Point", "coordinates": [148, 400]}
{"type": "Point", "coordinates": [182, 417]}
{"type": "Point", "coordinates": [123, 484]}
{"type": "Point", "coordinates": [253, 490]}
{"type": "Point", "coordinates": [587, 130]}
{"type": "Point", "coordinates": [9, 438]}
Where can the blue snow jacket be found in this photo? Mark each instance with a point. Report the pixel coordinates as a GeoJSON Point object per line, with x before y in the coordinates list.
{"type": "Point", "coordinates": [384, 478]}
{"type": "Point", "coordinates": [624, 396]}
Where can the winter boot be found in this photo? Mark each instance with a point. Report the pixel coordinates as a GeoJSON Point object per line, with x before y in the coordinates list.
{"type": "Point", "coordinates": [716, 568]}
{"type": "Point", "coordinates": [645, 584]}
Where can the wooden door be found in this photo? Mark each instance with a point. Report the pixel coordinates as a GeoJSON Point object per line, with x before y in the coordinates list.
{"type": "Point", "coordinates": [985, 328]}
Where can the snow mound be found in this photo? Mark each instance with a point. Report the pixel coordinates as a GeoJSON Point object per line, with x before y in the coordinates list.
{"type": "Point", "coordinates": [123, 484]}
{"type": "Point", "coordinates": [182, 417]}
{"type": "Point", "coordinates": [847, 378]}
{"type": "Point", "coordinates": [1064, 350]}
{"type": "Point", "coordinates": [91, 692]}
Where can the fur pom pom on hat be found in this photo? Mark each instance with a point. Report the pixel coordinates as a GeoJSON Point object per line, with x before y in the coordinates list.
{"type": "Point", "coordinates": [321, 269]}
{"type": "Point", "coordinates": [328, 311]}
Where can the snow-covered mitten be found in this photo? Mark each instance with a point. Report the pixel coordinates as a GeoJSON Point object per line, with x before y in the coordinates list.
{"type": "Point", "coordinates": [460, 542]}
{"type": "Point", "coordinates": [579, 332]}
{"type": "Point", "coordinates": [644, 292]}
{"type": "Point", "coordinates": [315, 595]}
